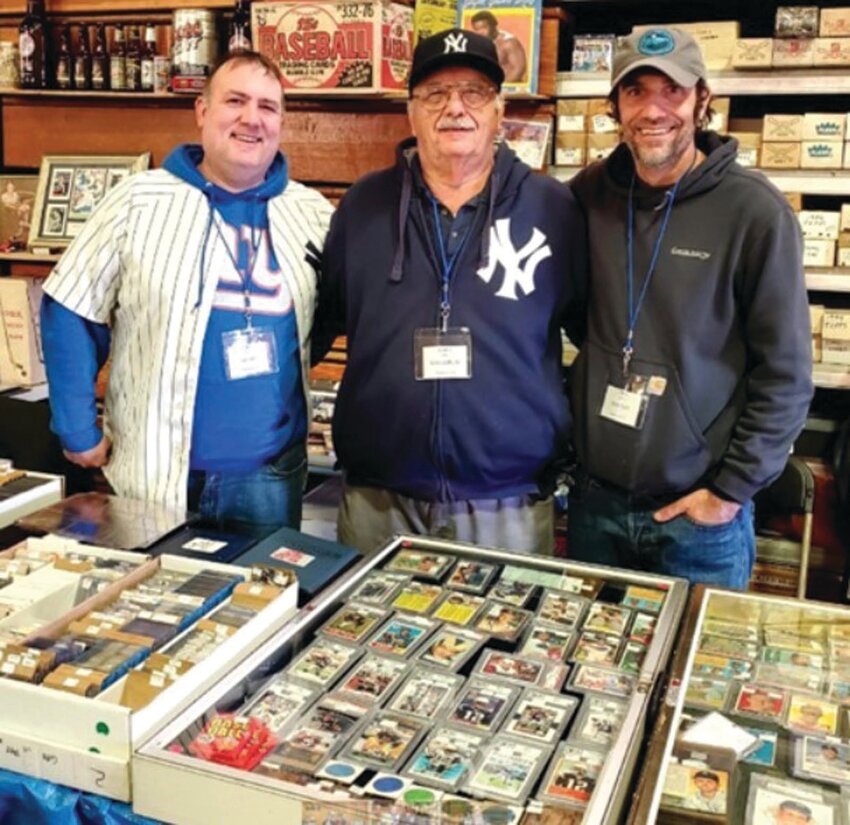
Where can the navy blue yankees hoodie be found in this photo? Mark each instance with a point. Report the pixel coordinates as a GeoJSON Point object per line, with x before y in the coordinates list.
{"type": "Point", "coordinates": [520, 278]}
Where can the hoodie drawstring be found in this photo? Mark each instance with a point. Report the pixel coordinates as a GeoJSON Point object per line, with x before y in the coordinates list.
{"type": "Point", "coordinates": [403, 210]}
{"type": "Point", "coordinates": [485, 232]}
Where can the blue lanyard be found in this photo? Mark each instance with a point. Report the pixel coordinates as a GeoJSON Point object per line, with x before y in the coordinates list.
{"type": "Point", "coordinates": [446, 266]}
{"type": "Point", "coordinates": [634, 308]}
{"type": "Point", "coordinates": [246, 274]}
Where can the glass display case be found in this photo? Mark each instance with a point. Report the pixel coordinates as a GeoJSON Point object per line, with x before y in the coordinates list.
{"type": "Point", "coordinates": [759, 733]}
{"type": "Point", "coordinates": [437, 681]}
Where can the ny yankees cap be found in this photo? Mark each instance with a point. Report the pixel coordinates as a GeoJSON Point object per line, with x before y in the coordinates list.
{"type": "Point", "coordinates": [455, 47]}
{"type": "Point", "coordinates": [671, 51]}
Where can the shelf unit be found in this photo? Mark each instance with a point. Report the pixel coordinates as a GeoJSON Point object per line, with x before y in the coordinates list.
{"type": "Point", "coordinates": [831, 376]}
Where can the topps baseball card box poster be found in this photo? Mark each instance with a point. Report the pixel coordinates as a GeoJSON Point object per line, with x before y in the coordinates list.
{"type": "Point", "coordinates": [333, 47]}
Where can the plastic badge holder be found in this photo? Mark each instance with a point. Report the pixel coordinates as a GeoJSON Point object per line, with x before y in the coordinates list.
{"type": "Point", "coordinates": [450, 648]}
{"type": "Point", "coordinates": [508, 770]}
{"type": "Point", "coordinates": [423, 564]}
{"type": "Point", "coordinates": [446, 757]}
{"type": "Point", "coordinates": [323, 662]}
{"type": "Point", "coordinates": [540, 716]}
{"type": "Point", "coordinates": [598, 721]}
{"type": "Point", "coordinates": [425, 692]}
{"type": "Point", "coordinates": [373, 678]}
{"type": "Point", "coordinates": [572, 774]}
{"type": "Point", "coordinates": [482, 705]}
{"type": "Point", "coordinates": [353, 623]}
{"type": "Point", "coordinates": [401, 635]}
{"type": "Point", "coordinates": [385, 740]}
{"type": "Point", "coordinates": [561, 609]}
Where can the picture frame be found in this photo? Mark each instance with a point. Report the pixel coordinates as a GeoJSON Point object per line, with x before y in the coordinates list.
{"type": "Point", "coordinates": [69, 189]}
{"type": "Point", "coordinates": [17, 204]}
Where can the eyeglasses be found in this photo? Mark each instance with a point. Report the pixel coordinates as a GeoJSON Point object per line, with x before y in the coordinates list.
{"type": "Point", "coordinates": [473, 96]}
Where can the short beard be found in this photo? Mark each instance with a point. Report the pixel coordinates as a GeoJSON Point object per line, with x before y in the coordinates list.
{"type": "Point", "coordinates": [663, 157]}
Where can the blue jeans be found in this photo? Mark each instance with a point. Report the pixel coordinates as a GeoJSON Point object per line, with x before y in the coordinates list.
{"type": "Point", "coordinates": [257, 501]}
{"type": "Point", "coordinates": [606, 526]}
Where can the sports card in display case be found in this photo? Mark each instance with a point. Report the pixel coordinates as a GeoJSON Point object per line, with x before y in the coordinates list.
{"type": "Point", "coordinates": [464, 697]}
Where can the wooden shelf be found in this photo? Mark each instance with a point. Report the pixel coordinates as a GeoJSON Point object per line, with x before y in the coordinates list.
{"type": "Point", "coordinates": [835, 376]}
{"type": "Point", "coordinates": [29, 257]}
{"type": "Point", "coordinates": [828, 279]}
{"type": "Point", "coordinates": [758, 82]}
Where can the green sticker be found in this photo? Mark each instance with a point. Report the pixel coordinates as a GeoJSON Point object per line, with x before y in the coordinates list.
{"type": "Point", "coordinates": [94, 750]}
{"type": "Point", "coordinates": [102, 728]}
{"type": "Point", "coordinates": [419, 796]}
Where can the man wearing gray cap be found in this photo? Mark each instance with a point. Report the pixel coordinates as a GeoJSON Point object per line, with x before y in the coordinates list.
{"type": "Point", "coordinates": [695, 377]}
{"type": "Point", "coordinates": [452, 274]}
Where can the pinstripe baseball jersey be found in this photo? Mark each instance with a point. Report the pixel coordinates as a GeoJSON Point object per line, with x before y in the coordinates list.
{"type": "Point", "coordinates": [137, 266]}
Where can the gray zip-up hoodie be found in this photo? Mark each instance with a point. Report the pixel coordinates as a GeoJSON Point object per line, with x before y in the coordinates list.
{"type": "Point", "coordinates": [724, 323]}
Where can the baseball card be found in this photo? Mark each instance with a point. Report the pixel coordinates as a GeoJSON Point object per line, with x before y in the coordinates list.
{"type": "Point", "coordinates": [422, 563]}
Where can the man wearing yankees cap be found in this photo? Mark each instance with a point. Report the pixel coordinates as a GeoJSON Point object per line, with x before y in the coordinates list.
{"type": "Point", "coordinates": [695, 377]}
{"type": "Point", "coordinates": [452, 274]}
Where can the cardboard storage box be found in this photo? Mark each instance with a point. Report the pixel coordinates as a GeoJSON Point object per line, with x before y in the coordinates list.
{"type": "Point", "coordinates": [819, 224]}
{"type": "Point", "coordinates": [21, 361]}
{"type": "Point", "coordinates": [832, 51]}
{"type": "Point", "coordinates": [835, 22]}
{"type": "Point", "coordinates": [325, 46]}
{"type": "Point", "coordinates": [794, 52]}
{"type": "Point", "coordinates": [749, 147]}
{"type": "Point", "coordinates": [795, 200]}
{"type": "Point", "coordinates": [846, 161]}
{"type": "Point", "coordinates": [87, 743]}
{"type": "Point", "coordinates": [571, 115]}
{"type": "Point", "coordinates": [600, 146]}
{"type": "Point", "coordinates": [28, 501]}
{"type": "Point", "coordinates": [824, 126]}
{"type": "Point", "coordinates": [570, 149]}
{"type": "Point", "coordinates": [753, 53]}
{"type": "Point", "coordinates": [845, 217]}
{"type": "Point", "coordinates": [821, 154]}
{"type": "Point", "coordinates": [816, 317]}
{"type": "Point", "coordinates": [782, 128]}
{"type": "Point", "coordinates": [818, 253]}
{"type": "Point", "coordinates": [836, 336]}
{"type": "Point", "coordinates": [780, 155]}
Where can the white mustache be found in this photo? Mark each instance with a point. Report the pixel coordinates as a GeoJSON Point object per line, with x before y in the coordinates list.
{"type": "Point", "coordinates": [456, 123]}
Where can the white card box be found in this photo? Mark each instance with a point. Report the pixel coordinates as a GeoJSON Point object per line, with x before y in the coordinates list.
{"type": "Point", "coordinates": [24, 503]}
{"type": "Point", "coordinates": [101, 732]}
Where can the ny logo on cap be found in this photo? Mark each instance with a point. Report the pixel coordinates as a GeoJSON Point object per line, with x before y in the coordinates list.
{"type": "Point", "coordinates": [455, 43]}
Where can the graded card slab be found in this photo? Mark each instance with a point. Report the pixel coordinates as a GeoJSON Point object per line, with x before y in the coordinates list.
{"type": "Point", "coordinates": [724, 646]}
{"type": "Point", "coordinates": [335, 714]}
{"type": "Point", "coordinates": [797, 658]}
{"type": "Point", "coordinates": [839, 654]}
{"type": "Point", "coordinates": [563, 610]}
{"type": "Point", "coordinates": [303, 749]}
{"type": "Point", "coordinates": [546, 642]}
{"type": "Point", "coordinates": [379, 588]}
{"type": "Point", "coordinates": [495, 664]}
{"type": "Point", "coordinates": [838, 688]}
{"type": "Point", "coordinates": [373, 678]}
{"type": "Point", "coordinates": [822, 759]}
{"type": "Point", "coordinates": [449, 648]}
{"type": "Point", "coordinates": [425, 692]}
{"type": "Point", "coordinates": [421, 563]}
{"type": "Point", "coordinates": [573, 773]}
{"type": "Point", "coordinates": [553, 677]}
{"type": "Point", "coordinates": [602, 680]}
{"type": "Point", "coordinates": [695, 788]}
{"type": "Point", "coordinates": [643, 626]}
{"type": "Point", "coordinates": [740, 632]}
{"type": "Point", "coordinates": [793, 678]}
{"type": "Point", "coordinates": [773, 800]}
{"type": "Point", "coordinates": [721, 667]}
{"type": "Point", "coordinates": [811, 714]}
{"type": "Point", "coordinates": [473, 576]}
{"type": "Point", "coordinates": [762, 702]}
{"type": "Point", "coordinates": [793, 639]}
{"type": "Point", "coordinates": [596, 648]}
{"type": "Point", "coordinates": [644, 598]}
{"type": "Point", "coordinates": [279, 703]}
{"type": "Point", "coordinates": [631, 657]}
{"type": "Point", "coordinates": [502, 621]}
{"type": "Point", "coordinates": [607, 618]}
{"type": "Point", "coordinates": [401, 635]}
{"type": "Point", "coordinates": [482, 705]}
{"type": "Point", "coordinates": [598, 721]}
{"type": "Point", "coordinates": [507, 770]}
{"type": "Point", "coordinates": [446, 757]}
{"type": "Point", "coordinates": [516, 593]}
{"type": "Point", "coordinates": [322, 662]}
{"type": "Point", "coordinates": [417, 597]}
{"type": "Point", "coordinates": [540, 716]}
{"type": "Point", "coordinates": [459, 608]}
{"type": "Point", "coordinates": [353, 623]}
{"type": "Point", "coordinates": [385, 740]}
{"type": "Point", "coordinates": [707, 693]}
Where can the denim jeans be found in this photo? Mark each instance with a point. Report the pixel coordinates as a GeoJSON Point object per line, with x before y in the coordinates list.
{"type": "Point", "coordinates": [258, 500]}
{"type": "Point", "coordinates": [609, 527]}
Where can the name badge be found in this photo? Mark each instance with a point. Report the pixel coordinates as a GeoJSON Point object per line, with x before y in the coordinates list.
{"type": "Point", "coordinates": [624, 406]}
{"type": "Point", "coordinates": [442, 355]}
{"type": "Point", "coordinates": [249, 352]}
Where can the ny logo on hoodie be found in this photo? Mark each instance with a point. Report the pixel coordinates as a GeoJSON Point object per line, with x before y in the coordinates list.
{"type": "Point", "coordinates": [502, 252]}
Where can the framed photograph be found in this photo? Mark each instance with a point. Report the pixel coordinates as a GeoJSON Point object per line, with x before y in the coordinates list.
{"type": "Point", "coordinates": [473, 576]}
{"type": "Point", "coordinates": [822, 759]}
{"type": "Point", "coordinates": [572, 775]}
{"type": "Point", "coordinates": [446, 757]}
{"type": "Point", "coordinates": [458, 608]}
{"type": "Point", "coordinates": [17, 202]}
{"type": "Point", "coordinates": [69, 189]}
{"type": "Point", "coordinates": [508, 770]}
{"type": "Point", "coordinates": [450, 648]}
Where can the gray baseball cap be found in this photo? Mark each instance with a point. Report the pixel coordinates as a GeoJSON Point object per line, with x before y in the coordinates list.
{"type": "Point", "coordinates": [668, 50]}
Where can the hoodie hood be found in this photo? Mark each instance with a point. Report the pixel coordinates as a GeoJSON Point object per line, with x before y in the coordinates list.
{"type": "Point", "coordinates": [508, 174]}
{"type": "Point", "coordinates": [720, 153]}
{"type": "Point", "coordinates": [183, 161]}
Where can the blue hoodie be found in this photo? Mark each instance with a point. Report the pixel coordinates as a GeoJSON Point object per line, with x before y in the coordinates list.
{"type": "Point", "coordinates": [238, 425]}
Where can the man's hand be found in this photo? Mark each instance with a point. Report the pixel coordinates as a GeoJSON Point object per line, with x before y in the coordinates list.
{"type": "Point", "coordinates": [700, 506]}
{"type": "Point", "coordinates": [95, 457]}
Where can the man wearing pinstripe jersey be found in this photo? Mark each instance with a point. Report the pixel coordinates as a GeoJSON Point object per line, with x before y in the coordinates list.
{"type": "Point", "coordinates": [199, 280]}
